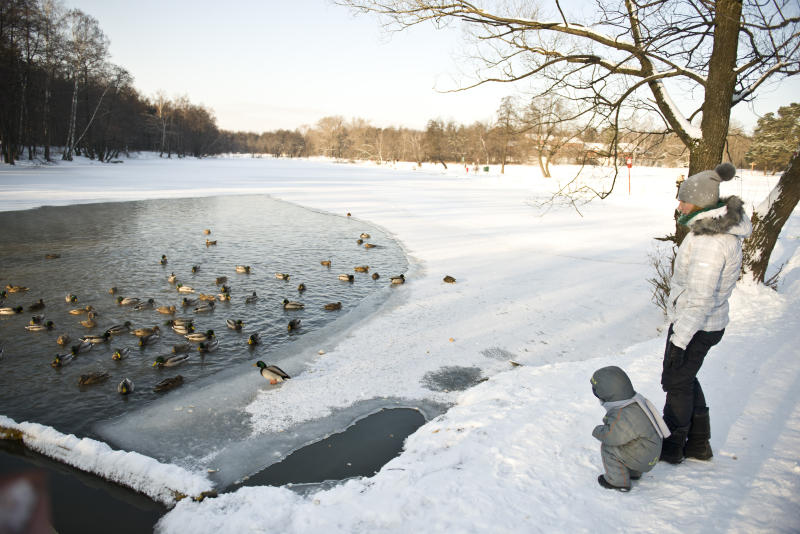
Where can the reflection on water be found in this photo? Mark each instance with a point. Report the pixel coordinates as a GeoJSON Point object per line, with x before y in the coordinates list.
{"type": "Point", "coordinates": [119, 245]}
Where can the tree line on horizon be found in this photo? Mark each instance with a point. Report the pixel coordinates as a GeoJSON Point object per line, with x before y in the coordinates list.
{"type": "Point", "coordinates": [58, 88]}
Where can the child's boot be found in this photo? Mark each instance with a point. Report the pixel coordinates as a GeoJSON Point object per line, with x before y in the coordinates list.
{"type": "Point", "coordinates": [608, 485]}
{"type": "Point", "coordinates": [697, 445]}
{"type": "Point", "coordinates": [672, 447]}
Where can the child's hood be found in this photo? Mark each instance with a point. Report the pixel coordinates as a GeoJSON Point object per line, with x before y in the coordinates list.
{"type": "Point", "coordinates": [611, 384]}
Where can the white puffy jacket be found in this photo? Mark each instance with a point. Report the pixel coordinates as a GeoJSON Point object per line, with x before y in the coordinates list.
{"type": "Point", "coordinates": [707, 267]}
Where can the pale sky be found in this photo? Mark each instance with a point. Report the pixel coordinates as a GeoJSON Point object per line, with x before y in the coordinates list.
{"type": "Point", "coordinates": [269, 64]}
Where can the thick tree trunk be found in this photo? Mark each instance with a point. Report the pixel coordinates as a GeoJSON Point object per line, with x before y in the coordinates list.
{"type": "Point", "coordinates": [69, 149]}
{"type": "Point", "coordinates": [768, 220]}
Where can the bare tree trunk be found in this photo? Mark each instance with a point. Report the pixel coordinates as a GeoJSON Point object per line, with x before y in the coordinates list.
{"type": "Point", "coordinates": [72, 118]}
{"type": "Point", "coordinates": [769, 218]}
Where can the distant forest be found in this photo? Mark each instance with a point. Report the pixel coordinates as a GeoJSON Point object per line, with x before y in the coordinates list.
{"type": "Point", "coordinates": [59, 89]}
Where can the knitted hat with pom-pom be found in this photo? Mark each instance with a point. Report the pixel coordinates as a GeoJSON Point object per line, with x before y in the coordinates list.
{"type": "Point", "coordinates": [702, 189]}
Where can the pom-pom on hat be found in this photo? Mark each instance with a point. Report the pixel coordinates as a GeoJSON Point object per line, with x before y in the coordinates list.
{"type": "Point", "coordinates": [702, 189]}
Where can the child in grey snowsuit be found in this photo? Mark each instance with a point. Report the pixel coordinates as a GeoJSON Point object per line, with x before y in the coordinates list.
{"type": "Point", "coordinates": [632, 429]}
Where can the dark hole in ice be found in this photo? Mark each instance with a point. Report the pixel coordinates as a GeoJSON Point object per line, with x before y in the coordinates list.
{"type": "Point", "coordinates": [361, 450]}
{"type": "Point", "coordinates": [452, 378]}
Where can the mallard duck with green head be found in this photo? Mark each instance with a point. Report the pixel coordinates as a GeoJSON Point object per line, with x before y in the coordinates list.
{"type": "Point", "coordinates": [172, 361]}
{"type": "Point", "coordinates": [273, 373]}
{"type": "Point", "coordinates": [61, 360]}
{"type": "Point", "coordinates": [41, 327]}
{"type": "Point", "coordinates": [199, 337]}
{"type": "Point", "coordinates": [120, 354]}
{"type": "Point", "coordinates": [234, 324]}
{"type": "Point", "coordinates": [292, 305]}
{"type": "Point", "coordinates": [244, 269]}
{"type": "Point", "coordinates": [96, 340]}
{"type": "Point", "coordinates": [70, 298]}
{"type": "Point", "coordinates": [125, 387]}
{"type": "Point", "coordinates": [8, 310]}
{"type": "Point", "coordinates": [118, 329]}
{"type": "Point", "coordinates": [208, 346]}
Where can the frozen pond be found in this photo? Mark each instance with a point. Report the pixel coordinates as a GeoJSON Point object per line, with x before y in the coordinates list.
{"type": "Point", "coordinates": [105, 245]}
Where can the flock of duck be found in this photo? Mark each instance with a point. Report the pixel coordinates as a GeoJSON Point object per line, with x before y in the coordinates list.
{"type": "Point", "coordinates": [193, 341]}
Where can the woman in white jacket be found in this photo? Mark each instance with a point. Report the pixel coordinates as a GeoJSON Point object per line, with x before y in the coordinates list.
{"type": "Point", "coordinates": [707, 267]}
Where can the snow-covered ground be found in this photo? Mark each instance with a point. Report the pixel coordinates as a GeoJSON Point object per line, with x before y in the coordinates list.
{"type": "Point", "coordinates": [561, 292]}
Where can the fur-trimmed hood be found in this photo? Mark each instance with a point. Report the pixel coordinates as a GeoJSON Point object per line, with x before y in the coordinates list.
{"type": "Point", "coordinates": [727, 219]}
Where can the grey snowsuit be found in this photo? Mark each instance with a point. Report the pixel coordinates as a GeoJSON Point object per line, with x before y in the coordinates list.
{"type": "Point", "coordinates": [631, 444]}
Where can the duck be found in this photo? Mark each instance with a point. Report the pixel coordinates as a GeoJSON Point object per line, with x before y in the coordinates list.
{"type": "Point", "coordinates": [40, 327]}
{"type": "Point", "coordinates": [206, 297]}
{"type": "Point", "coordinates": [181, 348]}
{"type": "Point", "coordinates": [36, 306]}
{"type": "Point", "coordinates": [16, 289]}
{"type": "Point", "coordinates": [149, 304]}
{"type": "Point", "coordinates": [273, 373]}
{"type": "Point", "coordinates": [364, 235]}
{"type": "Point", "coordinates": [184, 288]}
{"type": "Point", "coordinates": [127, 301]}
{"type": "Point", "coordinates": [125, 387]}
{"type": "Point", "coordinates": [113, 290]}
{"type": "Point", "coordinates": [11, 311]}
{"type": "Point", "coordinates": [80, 348]}
{"type": "Point", "coordinates": [254, 339]}
{"type": "Point", "coordinates": [359, 241]}
{"type": "Point", "coordinates": [449, 279]}
{"type": "Point", "coordinates": [163, 259]}
{"type": "Point", "coordinates": [234, 324]}
{"type": "Point", "coordinates": [195, 268]}
{"type": "Point", "coordinates": [146, 331]}
{"type": "Point", "coordinates": [292, 305]}
{"type": "Point", "coordinates": [172, 278]}
{"type": "Point", "coordinates": [210, 243]}
{"type": "Point", "coordinates": [333, 306]}
{"type": "Point", "coordinates": [95, 377]}
{"type": "Point", "coordinates": [346, 277]}
{"type": "Point", "coordinates": [401, 279]}
{"type": "Point", "coordinates": [166, 310]}
{"type": "Point", "coordinates": [301, 288]}
{"type": "Point", "coordinates": [224, 297]}
{"type": "Point", "coordinates": [369, 245]}
{"type": "Point", "coordinates": [186, 302]}
{"type": "Point", "coordinates": [61, 360]}
{"type": "Point", "coordinates": [221, 280]}
{"type": "Point", "coordinates": [251, 299]}
{"type": "Point", "coordinates": [63, 340]}
{"type": "Point", "coordinates": [282, 276]}
{"type": "Point", "coordinates": [118, 329]}
{"type": "Point", "coordinates": [294, 324]}
{"type": "Point", "coordinates": [199, 337]}
{"type": "Point", "coordinates": [172, 361]}
{"type": "Point", "coordinates": [325, 263]}
{"type": "Point", "coordinates": [36, 319]}
{"type": "Point", "coordinates": [375, 276]}
{"type": "Point", "coordinates": [243, 269]}
{"type": "Point", "coordinates": [89, 322]}
{"type": "Point", "coordinates": [168, 383]}
{"type": "Point", "coordinates": [95, 340]}
{"type": "Point", "coordinates": [120, 354]}
{"type": "Point", "coordinates": [205, 308]}
{"type": "Point", "coordinates": [70, 298]}
{"type": "Point", "coordinates": [52, 256]}
{"type": "Point", "coordinates": [180, 321]}
{"type": "Point", "coordinates": [80, 311]}
{"type": "Point", "coordinates": [183, 329]}
{"type": "Point", "coordinates": [208, 346]}
{"type": "Point", "coordinates": [149, 339]}
{"type": "Point", "coordinates": [361, 268]}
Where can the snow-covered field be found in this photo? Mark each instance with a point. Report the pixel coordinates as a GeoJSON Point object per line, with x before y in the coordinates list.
{"type": "Point", "coordinates": [560, 292]}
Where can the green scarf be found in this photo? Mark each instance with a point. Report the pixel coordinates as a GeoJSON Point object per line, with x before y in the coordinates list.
{"type": "Point", "coordinates": [684, 219]}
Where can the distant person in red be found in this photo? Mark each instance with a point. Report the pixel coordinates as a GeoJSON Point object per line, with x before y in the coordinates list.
{"type": "Point", "coordinates": [707, 267]}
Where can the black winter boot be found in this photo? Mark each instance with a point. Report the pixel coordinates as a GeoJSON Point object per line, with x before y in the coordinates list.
{"type": "Point", "coordinates": [672, 447]}
{"type": "Point", "coordinates": [697, 445]}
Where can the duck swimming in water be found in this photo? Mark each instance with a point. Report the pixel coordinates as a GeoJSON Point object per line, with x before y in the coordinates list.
{"type": "Point", "coordinates": [181, 348]}
{"type": "Point", "coordinates": [163, 259]}
{"type": "Point", "coordinates": [361, 268]}
{"type": "Point", "coordinates": [243, 269]}
{"type": "Point", "coordinates": [95, 340]}
{"type": "Point", "coordinates": [186, 302]}
{"type": "Point", "coordinates": [125, 387]}
{"type": "Point", "coordinates": [364, 236]}
{"type": "Point", "coordinates": [168, 383]}
{"type": "Point", "coordinates": [145, 331]}
{"type": "Point", "coordinates": [294, 324]}
{"type": "Point", "coordinates": [400, 279]}
{"type": "Point", "coordinates": [208, 346]}
{"type": "Point", "coordinates": [89, 322]}
{"type": "Point", "coordinates": [292, 305]}
{"type": "Point", "coordinates": [40, 327]}
{"type": "Point", "coordinates": [80, 311]}
{"type": "Point", "coordinates": [36, 306]}
{"type": "Point", "coordinates": [234, 324]}
{"type": "Point", "coordinates": [254, 339]}
{"type": "Point", "coordinates": [95, 377]}
{"type": "Point", "coordinates": [346, 277]}
{"type": "Point", "coordinates": [120, 354]}
{"type": "Point", "coordinates": [221, 280]}
{"type": "Point", "coordinates": [70, 298]}
{"type": "Point", "coordinates": [149, 339]}
{"type": "Point", "coordinates": [183, 329]}
{"type": "Point", "coordinates": [199, 337]}
{"type": "Point", "coordinates": [16, 289]}
{"type": "Point", "coordinates": [171, 361]}
{"type": "Point", "coordinates": [166, 310]}
{"type": "Point", "coordinates": [282, 276]}
{"type": "Point", "coordinates": [375, 276]}
{"type": "Point", "coordinates": [369, 245]}
{"type": "Point", "coordinates": [149, 304]}
{"type": "Point", "coordinates": [206, 297]}
{"type": "Point", "coordinates": [11, 311]}
{"type": "Point", "coordinates": [195, 268]}
{"type": "Point", "coordinates": [127, 301]}
{"type": "Point", "coordinates": [333, 306]}
{"type": "Point", "coordinates": [251, 299]}
{"type": "Point", "coordinates": [210, 243]}
{"type": "Point", "coordinates": [80, 348]}
{"type": "Point", "coordinates": [61, 360]}
{"type": "Point", "coordinates": [118, 329]}
{"type": "Point", "coordinates": [113, 290]}
{"type": "Point", "coordinates": [325, 263]}
{"type": "Point", "coordinates": [184, 289]}
{"type": "Point", "coordinates": [63, 340]}
{"type": "Point", "coordinates": [172, 278]}
{"type": "Point", "coordinates": [205, 308]}
{"type": "Point", "coordinates": [301, 287]}
{"type": "Point", "coordinates": [273, 373]}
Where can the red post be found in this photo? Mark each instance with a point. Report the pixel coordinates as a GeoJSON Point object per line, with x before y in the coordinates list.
{"type": "Point", "coordinates": [629, 163]}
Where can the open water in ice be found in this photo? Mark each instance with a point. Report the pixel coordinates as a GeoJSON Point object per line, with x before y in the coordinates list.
{"type": "Point", "coordinates": [119, 245]}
